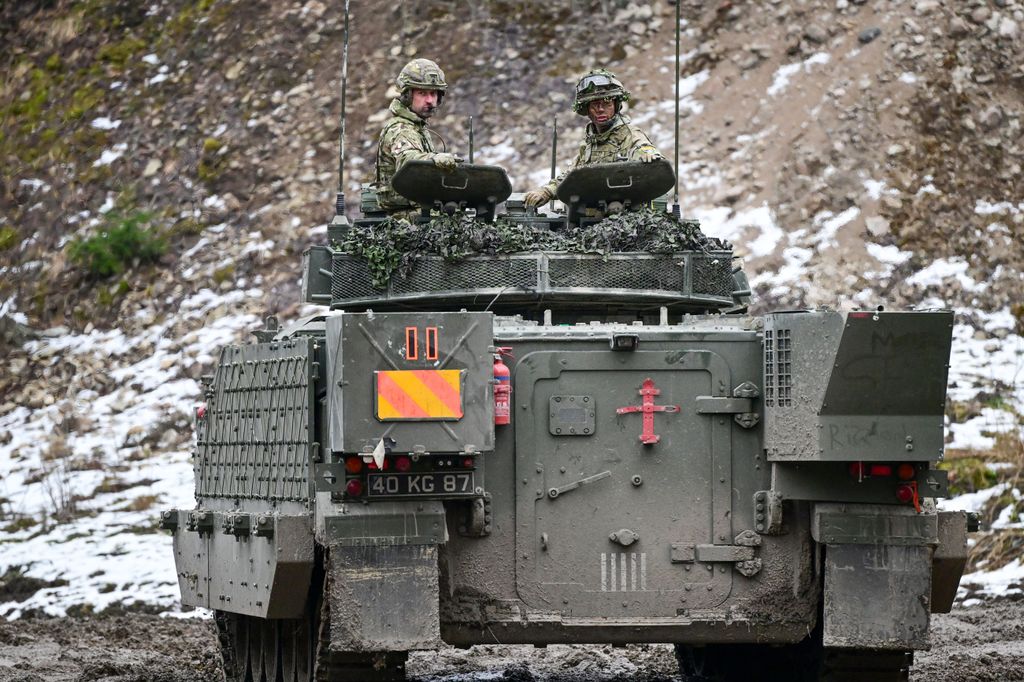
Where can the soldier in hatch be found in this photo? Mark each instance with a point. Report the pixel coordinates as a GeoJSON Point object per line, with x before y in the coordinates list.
{"type": "Point", "coordinates": [610, 135]}
{"type": "Point", "coordinates": [404, 136]}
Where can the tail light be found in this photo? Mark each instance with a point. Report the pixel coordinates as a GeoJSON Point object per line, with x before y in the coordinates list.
{"type": "Point", "coordinates": [906, 471]}
{"type": "Point", "coordinates": [354, 488]}
{"type": "Point", "coordinates": [467, 463]}
{"type": "Point", "coordinates": [353, 465]}
{"type": "Point", "coordinates": [880, 470]}
{"type": "Point", "coordinates": [402, 463]}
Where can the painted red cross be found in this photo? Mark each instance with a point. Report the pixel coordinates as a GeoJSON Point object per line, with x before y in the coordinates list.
{"type": "Point", "coordinates": [648, 408]}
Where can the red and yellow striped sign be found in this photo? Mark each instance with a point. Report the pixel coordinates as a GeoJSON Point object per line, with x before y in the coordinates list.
{"type": "Point", "coordinates": [419, 394]}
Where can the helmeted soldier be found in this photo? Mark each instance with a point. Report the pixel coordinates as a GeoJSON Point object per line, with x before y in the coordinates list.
{"type": "Point", "coordinates": [610, 135]}
{"type": "Point", "coordinates": [404, 137]}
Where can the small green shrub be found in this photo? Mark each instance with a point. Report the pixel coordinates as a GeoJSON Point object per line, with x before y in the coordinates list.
{"type": "Point", "coordinates": [211, 161]}
{"type": "Point", "coordinates": [221, 275]}
{"type": "Point", "coordinates": [123, 241]}
{"type": "Point", "coordinates": [8, 237]}
{"type": "Point", "coordinates": [968, 475]}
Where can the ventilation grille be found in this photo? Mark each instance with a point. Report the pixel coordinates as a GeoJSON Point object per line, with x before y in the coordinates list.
{"type": "Point", "coordinates": [778, 368]}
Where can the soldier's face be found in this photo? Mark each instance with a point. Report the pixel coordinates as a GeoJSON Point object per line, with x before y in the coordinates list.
{"type": "Point", "coordinates": [424, 103]}
{"type": "Point", "coordinates": [601, 111]}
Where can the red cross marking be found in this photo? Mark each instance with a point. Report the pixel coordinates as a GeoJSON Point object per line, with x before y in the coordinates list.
{"type": "Point", "coordinates": [648, 408]}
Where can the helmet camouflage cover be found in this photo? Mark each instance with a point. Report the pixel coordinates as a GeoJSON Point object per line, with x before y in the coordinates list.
{"type": "Point", "coordinates": [598, 84]}
{"type": "Point", "coordinates": [421, 74]}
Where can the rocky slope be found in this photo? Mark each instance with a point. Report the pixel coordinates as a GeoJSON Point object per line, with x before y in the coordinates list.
{"type": "Point", "coordinates": [857, 152]}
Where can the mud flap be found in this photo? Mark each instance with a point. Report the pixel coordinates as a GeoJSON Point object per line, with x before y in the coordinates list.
{"type": "Point", "coordinates": [384, 598]}
{"type": "Point", "coordinates": [383, 574]}
{"type": "Point", "coordinates": [949, 560]}
{"type": "Point", "coordinates": [877, 596]}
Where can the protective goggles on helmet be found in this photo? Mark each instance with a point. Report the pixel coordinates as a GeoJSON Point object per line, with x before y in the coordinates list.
{"type": "Point", "coordinates": [596, 81]}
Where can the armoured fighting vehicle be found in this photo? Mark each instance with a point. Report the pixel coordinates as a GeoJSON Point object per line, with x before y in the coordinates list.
{"type": "Point", "coordinates": [544, 448]}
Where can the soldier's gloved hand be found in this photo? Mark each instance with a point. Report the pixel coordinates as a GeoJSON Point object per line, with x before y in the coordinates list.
{"type": "Point", "coordinates": [649, 155]}
{"type": "Point", "coordinates": [536, 197]}
{"type": "Point", "coordinates": [446, 161]}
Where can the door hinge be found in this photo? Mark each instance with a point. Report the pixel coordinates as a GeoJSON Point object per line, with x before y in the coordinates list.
{"type": "Point", "coordinates": [743, 553]}
{"type": "Point", "coordinates": [740, 405]}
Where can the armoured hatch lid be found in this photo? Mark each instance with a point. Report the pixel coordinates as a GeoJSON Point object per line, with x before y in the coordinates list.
{"type": "Point", "coordinates": [628, 182]}
{"type": "Point", "coordinates": [468, 186]}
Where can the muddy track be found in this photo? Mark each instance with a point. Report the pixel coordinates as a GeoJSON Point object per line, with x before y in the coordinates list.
{"type": "Point", "coordinates": [982, 643]}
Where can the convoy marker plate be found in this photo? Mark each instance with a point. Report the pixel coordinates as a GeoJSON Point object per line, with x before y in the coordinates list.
{"type": "Point", "coordinates": [419, 394]}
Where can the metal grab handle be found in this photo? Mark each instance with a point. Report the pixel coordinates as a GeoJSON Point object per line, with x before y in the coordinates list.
{"type": "Point", "coordinates": [555, 492]}
{"type": "Point", "coordinates": [608, 181]}
{"type": "Point", "coordinates": [447, 186]}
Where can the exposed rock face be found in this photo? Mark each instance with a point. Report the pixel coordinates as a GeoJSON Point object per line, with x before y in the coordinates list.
{"type": "Point", "coordinates": [220, 120]}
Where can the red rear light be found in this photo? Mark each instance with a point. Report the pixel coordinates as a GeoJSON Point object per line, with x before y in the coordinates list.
{"type": "Point", "coordinates": [372, 466]}
{"type": "Point", "coordinates": [906, 471]}
{"type": "Point", "coordinates": [201, 411]}
{"type": "Point", "coordinates": [881, 470]}
{"type": "Point", "coordinates": [354, 488]}
{"type": "Point", "coordinates": [353, 465]}
{"type": "Point", "coordinates": [467, 463]}
{"type": "Point", "coordinates": [905, 493]}
{"type": "Point", "coordinates": [403, 463]}
{"type": "Point", "coordinates": [857, 470]}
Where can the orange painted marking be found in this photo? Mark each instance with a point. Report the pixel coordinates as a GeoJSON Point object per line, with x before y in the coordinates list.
{"type": "Point", "coordinates": [393, 402]}
{"type": "Point", "coordinates": [419, 394]}
{"type": "Point", "coordinates": [431, 343]}
{"type": "Point", "coordinates": [440, 385]}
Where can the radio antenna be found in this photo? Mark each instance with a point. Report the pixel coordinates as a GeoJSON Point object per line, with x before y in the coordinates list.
{"type": "Point", "coordinates": [554, 152]}
{"type": "Point", "coordinates": [471, 139]}
{"type": "Point", "coordinates": [677, 108]}
{"type": "Point", "coordinates": [339, 208]}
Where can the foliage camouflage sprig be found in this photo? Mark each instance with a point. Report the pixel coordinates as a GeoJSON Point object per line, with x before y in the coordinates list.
{"type": "Point", "coordinates": [392, 246]}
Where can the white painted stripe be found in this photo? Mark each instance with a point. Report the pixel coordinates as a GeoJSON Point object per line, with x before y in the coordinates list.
{"type": "Point", "coordinates": [604, 572]}
{"type": "Point", "coordinates": [613, 583]}
{"type": "Point", "coordinates": [622, 572]}
{"type": "Point", "coordinates": [632, 571]}
{"type": "Point", "coordinates": [643, 570]}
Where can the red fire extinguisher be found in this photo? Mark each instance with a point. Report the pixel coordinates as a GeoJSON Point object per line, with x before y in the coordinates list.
{"type": "Point", "coordinates": [502, 388]}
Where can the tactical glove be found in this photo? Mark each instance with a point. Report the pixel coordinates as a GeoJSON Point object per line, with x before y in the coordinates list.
{"type": "Point", "coordinates": [446, 161]}
{"type": "Point", "coordinates": [648, 155]}
{"type": "Point", "coordinates": [536, 197]}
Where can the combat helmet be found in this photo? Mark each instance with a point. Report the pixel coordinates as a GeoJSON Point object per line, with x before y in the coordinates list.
{"type": "Point", "coordinates": [598, 84]}
{"type": "Point", "coordinates": [422, 74]}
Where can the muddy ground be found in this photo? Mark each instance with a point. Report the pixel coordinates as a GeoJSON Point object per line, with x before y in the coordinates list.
{"type": "Point", "coordinates": [982, 643]}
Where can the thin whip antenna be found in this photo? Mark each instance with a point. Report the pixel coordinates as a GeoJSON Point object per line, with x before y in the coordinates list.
{"type": "Point", "coordinates": [554, 151]}
{"type": "Point", "coordinates": [340, 203]}
{"type": "Point", "coordinates": [471, 139]}
{"type": "Point", "coordinates": [677, 109]}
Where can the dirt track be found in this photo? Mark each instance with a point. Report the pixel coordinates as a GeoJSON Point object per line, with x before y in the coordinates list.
{"type": "Point", "coordinates": [977, 644]}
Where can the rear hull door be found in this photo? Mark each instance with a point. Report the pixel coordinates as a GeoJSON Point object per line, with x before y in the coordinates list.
{"type": "Point", "coordinates": [606, 524]}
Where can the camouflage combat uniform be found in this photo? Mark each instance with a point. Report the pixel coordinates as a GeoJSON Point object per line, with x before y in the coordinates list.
{"type": "Point", "coordinates": [621, 141]}
{"type": "Point", "coordinates": [403, 138]}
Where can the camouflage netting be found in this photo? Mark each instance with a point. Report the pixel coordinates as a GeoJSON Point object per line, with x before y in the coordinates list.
{"type": "Point", "coordinates": [393, 246]}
